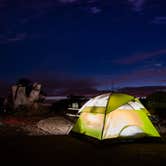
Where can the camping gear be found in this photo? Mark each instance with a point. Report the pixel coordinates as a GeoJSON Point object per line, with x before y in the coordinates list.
{"type": "Point", "coordinates": [114, 115]}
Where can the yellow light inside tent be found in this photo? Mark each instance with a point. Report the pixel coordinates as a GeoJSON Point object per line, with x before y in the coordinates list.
{"type": "Point", "coordinates": [93, 120]}
{"type": "Point", "coordinates": [117, 120]}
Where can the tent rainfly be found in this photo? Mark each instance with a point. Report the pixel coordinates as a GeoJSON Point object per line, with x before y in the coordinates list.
{"type": "Point", "coordinates": [114, 115]}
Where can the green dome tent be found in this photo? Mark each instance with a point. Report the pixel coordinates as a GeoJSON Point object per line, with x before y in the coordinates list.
{"type": "Point", "coordinates": [114, 115]}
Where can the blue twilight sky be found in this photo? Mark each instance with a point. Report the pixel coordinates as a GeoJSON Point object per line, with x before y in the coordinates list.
{"type": "Point", "coordinates": [68, 44]}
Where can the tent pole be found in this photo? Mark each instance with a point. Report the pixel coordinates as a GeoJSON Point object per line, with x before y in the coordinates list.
{"type": "Point", "coordinates": [105, 113]}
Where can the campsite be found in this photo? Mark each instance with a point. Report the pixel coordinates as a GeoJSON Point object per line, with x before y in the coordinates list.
{"type": "Point", "coordinates": [46, 149]}
{"type": "Point", "coordinates": [47, 138]}
{"type": "Point", "coordinates": [83, 82]}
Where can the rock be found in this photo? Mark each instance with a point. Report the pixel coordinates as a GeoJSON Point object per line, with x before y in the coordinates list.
{"type": "Point", "coordinates": [55, 125]}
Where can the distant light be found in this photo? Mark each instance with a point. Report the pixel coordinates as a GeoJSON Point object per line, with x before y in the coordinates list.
{"type": "Point", "coordinates": [55, 97]}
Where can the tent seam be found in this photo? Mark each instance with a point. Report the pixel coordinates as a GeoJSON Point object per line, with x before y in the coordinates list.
{"type": "Point", "coordinates": [105, 116]}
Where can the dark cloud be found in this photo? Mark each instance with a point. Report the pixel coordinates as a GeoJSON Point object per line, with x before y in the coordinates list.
{"type": "Point", "coordinates": [3, 3]}
{"type": "Point", "coordinates": [57, 84]}
{"type": "Point", "coordinates": [159, 20]}
{"type": "Point", "coordinates": [137, 5]}
{"type": "Point", "coordinates": [76, 41]}
{"type": "Point", "coordinates": [65, 84]}
{"type": "Point", "coordinates": [12, 38]}
{"type": "Point", "coordinates": [18, 37]}
{"type": "Point", "coordinates": [68, 1]}
{"type": "Point", "coordinates": [137, 78]}
{"type": "Point", "coordinates": [23, 12]}
{"type": "Point", "coordinates": [139, 57]}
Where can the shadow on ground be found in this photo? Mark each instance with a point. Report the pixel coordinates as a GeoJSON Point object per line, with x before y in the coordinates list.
{"type": "Point", "coordinates": [68, 150]}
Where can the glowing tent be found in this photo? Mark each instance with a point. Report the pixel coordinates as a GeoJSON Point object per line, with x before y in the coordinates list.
{"type": "Point", "coordinates": [114, 115]}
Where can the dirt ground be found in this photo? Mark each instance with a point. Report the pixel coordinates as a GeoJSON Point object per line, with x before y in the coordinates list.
{"type": "Point", "coordinates": [69, 150]}
{"type": "Point", "coordinates": [22, 142]}
{"type": "Point", "coordinates": [35, 126]}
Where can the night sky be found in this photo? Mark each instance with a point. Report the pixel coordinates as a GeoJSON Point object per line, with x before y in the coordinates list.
{"type": "Point", "coordinates": [88, 44]}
